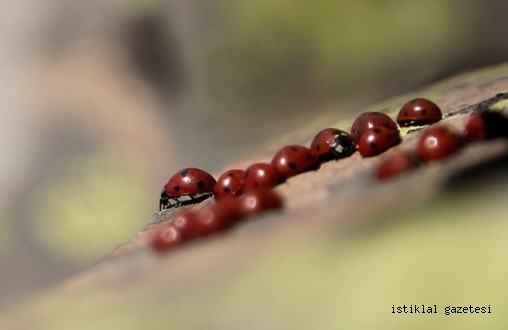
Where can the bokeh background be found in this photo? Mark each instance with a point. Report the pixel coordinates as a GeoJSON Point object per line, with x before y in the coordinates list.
{"type": "Point", "coordinates": [102, 101]}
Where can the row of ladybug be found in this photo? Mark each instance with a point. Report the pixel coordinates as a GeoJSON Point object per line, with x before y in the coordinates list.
{"type": "Point", "coordinates": [239, 194]}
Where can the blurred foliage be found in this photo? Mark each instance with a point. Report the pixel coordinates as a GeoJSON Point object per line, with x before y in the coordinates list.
{"type": "Point", "coordinates": [5, 231]}
{"type": "Point", "coordinates": [137, 7]}
{"type": "Point", "coordinates": [332, 46]}
{"type": "Point", "coordinates": [96, 204]}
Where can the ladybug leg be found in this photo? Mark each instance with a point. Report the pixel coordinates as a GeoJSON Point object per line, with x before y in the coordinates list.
{"type": "Point", "coordinates": [164, 201]}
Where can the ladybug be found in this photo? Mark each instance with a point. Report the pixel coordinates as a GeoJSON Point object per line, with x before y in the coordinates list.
{"type": "Point", "coordinates": [187, 186]}
{"type": "Point", "coordinates": [166, 238]}
{"type": "Point", "coordinates": [230, 183]}
{"type": "Point", "coordinates": [261, 175]}
{"type": "Point", "coordinates": [217, 217]}
{"type": "Point", "coordinates": [419, 112]}
{"type": "Point", "coordinates": [368, 120]}
{"type": "Point", "coordinates": [332, 143]}
{"type": "Point", "coordinates": [259, 201]}
{"type": "Point", "coordinates": [294, 159]}
{"type": "Point", "coordinates": [395, 163]}
{"type": "Point", "coordinates": [486, 125]}
{"type": "Point", "coordinates": [209, 220]}
{"type": "Point", "coordinates": [377, 140]}
{"type": "Point", "coordinates": [438, 142]}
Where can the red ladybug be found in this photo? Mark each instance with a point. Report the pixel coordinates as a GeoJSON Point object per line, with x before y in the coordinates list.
{"type": "Point", "coordinates": [208, 220]}
{"type": "Point", "coordinates": [332, 143]}
{"type": "Point", "coordinates": [187, 186]}
{"type": "Point", "coordinates": [217, 217]}
{"type": "Point", "coordinates": [293, 160]}
{"type": "Point", "coordinates": [368, 120]}
{"type": "Point", "coordinates": [418, 112]}
{"type": "Point", "coordinates": [166, 238]}
{"type": "Point", "coordinates": [395, 163]}
{"type": "Point", "coordinates": [261, 175]}
{"type": "Point", "coordinates": [377, 140]}
{"type": "Point", "coordinates": [187, 225]}
{"type": "Point", "coordinates": [486, 125]}
{"type": "Point", "coordinates": [258, 201]}
{"type": "Point", "coordinates": [230, 183]}
{"type": "Point", "coordinates": [438, 142]}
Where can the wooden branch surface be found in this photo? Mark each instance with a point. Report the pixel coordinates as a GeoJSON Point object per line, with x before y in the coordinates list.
{"type": "Point", "coordinates": [343, 251]}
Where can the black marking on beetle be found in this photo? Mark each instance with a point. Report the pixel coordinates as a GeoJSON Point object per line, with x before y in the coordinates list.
{"type": "Point", "coordinates": [377, 131]}
{"type": "Point", "coordinates": [174, 202]}
{"type": "Point", "coordinates": [292, 166]}
{"type": "Point", "coordinates": [176, 188]}
{"type": "Point", "coordinates": [310, 157]}
{"type": "Point", "coordinates": [295, 149]}
{"type": "Point", "coordinates": [184, 173]}
{"type": "Point", "coordinates": [230, 174]}
{"type": "Point", "coordinates": [227, 189]}
{"type": "Point", "coordinates": [374, 146]}
{"type": "Point", "coordinates": [201, 185]}
{"type": "Point", "coordinates": [424, 112]}
{"type": "Point", "coordinates": [318, 148]}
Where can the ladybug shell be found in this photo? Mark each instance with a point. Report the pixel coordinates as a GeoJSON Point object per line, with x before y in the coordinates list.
{"type": "Point", "coordinates": [230, 183]}
{"type": "Point", "coordinates": [294, 159]}
{"type": "Point", "coordinates": [377, 140]}
{"type": "Point", "coordinates": [418, 112]}
{"type": "Point", "coordinates": [333, 143]}
{"type": "Point", "coordinates": [258, 201]}
{"type": "Point", "coordinates": [189, 181]}
{"type": "Point", "coordinates": [166, 238]}
{"type": "Point", "coordinates": [261, 175]}
{"type": "Point", "coordinates": [368, 120]}
{"type": "Point", "coordinates": [486, 125]}
{"type": "Point", "coordinates": [438, 142]}
{"type": "Point", "coordinates": [475, 128]}
{"type": "Point", "coordinates": [218, 217]}
{"type": "Point", "coordinates": [395, 163]}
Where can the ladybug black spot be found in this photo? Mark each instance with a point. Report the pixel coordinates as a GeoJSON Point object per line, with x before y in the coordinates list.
{"type": "Point", "coordinates": [176, 188]}
{"type": "Point", "coordinates": [292, 166]}
{"type": "Point", "coordinates": [184, 174]}
{"type": "Point", "coordinates": [309, 157]}
{"type": "Point", "coordinates": [424, 112]}
{"type": "Point", "coordinates": [374, 146]}
{"type": "Point", "coordinates": [318, 148]}
{"type": "Point", "coordinates": [295, 149]}
{"type": "Point", "coordinates": [201, 184]}
{"type": "Point", "coordinates": [227, 189]}
{"type": "Point", "coordinates": [230, 174]}
{"type": "Point", "coordinates": [377, 130]}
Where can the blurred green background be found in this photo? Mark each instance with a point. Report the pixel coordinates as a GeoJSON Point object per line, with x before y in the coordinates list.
{"type": "Point", "coordinates": [103, 100]}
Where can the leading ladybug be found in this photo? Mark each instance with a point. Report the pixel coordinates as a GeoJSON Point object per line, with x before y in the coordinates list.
{"type": "Point", "coordinates": [187, 186]}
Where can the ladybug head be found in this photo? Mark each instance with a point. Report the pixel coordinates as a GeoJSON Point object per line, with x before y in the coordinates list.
{"type": "Point", "coordinates": [164, 200]}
